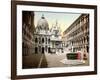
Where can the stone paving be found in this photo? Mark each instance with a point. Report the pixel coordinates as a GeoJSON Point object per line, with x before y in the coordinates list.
{"type": "Point", "coordinates": [57, 60]}
{"type": "Point", "coordinates": [53, 60]}
{"type": "Point", "coordinates": [49, 60]}
{"type": "Point", "coordinates": [34, 61]}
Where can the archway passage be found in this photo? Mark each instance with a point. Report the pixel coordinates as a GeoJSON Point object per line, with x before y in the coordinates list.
{"type": "Point", "coordinates": [87, 49]}
{"type": "Point", "coordinates": [42, 50]}
{"type": "Point", "coordinates": [36, 50]}
{"type": "Point", "coordinates": [48, 49]}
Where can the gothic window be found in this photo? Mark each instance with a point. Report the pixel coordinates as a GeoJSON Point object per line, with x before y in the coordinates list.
{"type": "Point", "coordinates": [87, 49]}
{"type": "Point", "coordinates": [48, 40]}
{"type": "Point", "coordinates": [87, 39]}
{"type": "Point", "coordinates": [84, 39]}
{"type": "Point", "coordinates": [42, 40]}
{"type": "Point", "coordinates": [36, 40]}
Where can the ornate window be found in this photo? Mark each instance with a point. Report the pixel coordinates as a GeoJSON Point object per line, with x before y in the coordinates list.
{"type": "Point", "coordinates": [36, 40]}
{"type": "Point", "coordinates": [48, 40]}
{"type": "Point", "coordinates": [42, 40]}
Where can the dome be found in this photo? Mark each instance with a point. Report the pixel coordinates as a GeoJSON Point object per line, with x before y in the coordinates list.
{"type": "Point", "coordinates": [43, 24]}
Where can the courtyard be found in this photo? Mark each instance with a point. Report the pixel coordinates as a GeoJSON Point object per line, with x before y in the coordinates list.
{"type": "Point", "coordinates": [50, 60]}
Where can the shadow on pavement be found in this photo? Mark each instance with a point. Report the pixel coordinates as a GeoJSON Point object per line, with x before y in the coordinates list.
{"type": "Point", "coordinates": [33, 61]}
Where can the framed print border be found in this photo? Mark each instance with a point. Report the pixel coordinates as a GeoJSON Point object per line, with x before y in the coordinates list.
{"type": "Point", "coordinates": [14, 39]}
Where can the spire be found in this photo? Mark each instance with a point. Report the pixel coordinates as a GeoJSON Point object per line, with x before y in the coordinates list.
{"type": "Point", "coordinates": [56, 22]}
{"type": "Point", "coordinates": [43, 16]}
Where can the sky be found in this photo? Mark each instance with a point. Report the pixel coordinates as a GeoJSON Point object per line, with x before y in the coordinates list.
{"type": "Point", "coordinates": [64, 20]}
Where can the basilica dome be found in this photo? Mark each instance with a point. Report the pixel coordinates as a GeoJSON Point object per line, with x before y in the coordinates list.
{"type": "Point", "coordinates": [43, 24]}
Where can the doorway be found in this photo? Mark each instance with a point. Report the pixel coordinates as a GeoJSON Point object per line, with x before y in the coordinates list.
{"type": "Point", "coordinates": [36, 50]}
{"type": "Point", "coordinates": [42, 50]}
{"type": "Point", "coordinates": [49, 50]}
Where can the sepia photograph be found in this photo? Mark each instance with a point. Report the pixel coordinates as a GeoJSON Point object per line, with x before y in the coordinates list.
{"type": "Point", "coordinates": [54, 39]}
